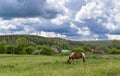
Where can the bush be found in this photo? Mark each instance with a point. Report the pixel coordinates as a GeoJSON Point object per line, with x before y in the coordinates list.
{"type": "Point", "coordinates": [63, 54]}
{"type": "Point", "coordinates": [19, 50]}
{"type": "Point", "coordinates": [46, 50]}
{"type": "Point", "coordinates": [96, 52]}
{"type": "Point", "coordinates": [114, 51]}
{"type": "Point", "coordinates": [10, 49]}
{"type": "Point", "coordinates": [86, 48]}
{"type": "Point", "coordinates": [3, 45]}
{"type": "Point", "coordinates": [78, 50]}
{"type": "Point", "coordinates": [36, 52]}
{"type": "Point", "coordinates": [29, 49]}
{"type": "Point", "coordinates": [102, 48]}
{"type": "Point", "coordinates": [39, 47]}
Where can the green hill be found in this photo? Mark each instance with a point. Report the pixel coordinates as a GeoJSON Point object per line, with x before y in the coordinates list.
{"type": "Point", "coordinates": [25, 41]}
{"type": "Point", "coordinates": [11, 39]}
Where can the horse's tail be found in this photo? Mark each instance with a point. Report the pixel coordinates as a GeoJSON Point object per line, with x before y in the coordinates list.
{"type": "Point", "coordinates": [83, 57]}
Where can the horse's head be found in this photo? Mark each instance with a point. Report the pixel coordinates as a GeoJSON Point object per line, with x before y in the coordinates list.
{"type": "Point", "coordinates": [68, 61]}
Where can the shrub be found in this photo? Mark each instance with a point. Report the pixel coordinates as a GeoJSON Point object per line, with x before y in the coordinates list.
{"type": "Point", "coordinates": [39, 47]}
{"type": "Point", "coordinates": [78, 50]}
{"type": "Point", "coordinates": [102, 48]}
{"type": "Point", "coordinates": [96, 52]}
{"type": "Point", "coordinates": [3, 45]}
{"type": "Point", "coordinates": [64, 54]}
{"type": "Point", "coordinates": [86, 48]}
{"type": "Point", "coordinates": [29, 49]}
{"type": "Point", "coordinates": [46, 50]}
{"type": "Point", "coordinates": [19, 50]}
{"type": "Point", "coordinates": [114, 51]}
{"type": "Point", "coordinates": [36, 52]}
{"type": "Point", "coordinates": [10, 49]}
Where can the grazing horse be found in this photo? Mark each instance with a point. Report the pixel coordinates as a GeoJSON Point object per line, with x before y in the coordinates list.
{"type": "Point", "coordinates": [76, 55]}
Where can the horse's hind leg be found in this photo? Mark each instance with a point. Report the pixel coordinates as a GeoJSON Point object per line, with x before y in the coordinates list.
{"type": "Point", "coordinates": [83, 59]}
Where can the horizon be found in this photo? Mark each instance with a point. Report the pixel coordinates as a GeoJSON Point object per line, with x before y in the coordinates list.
{"type": "Point", "coordinates": [56, 37]}
{"type": "Point", "coordinates": [68, 19]}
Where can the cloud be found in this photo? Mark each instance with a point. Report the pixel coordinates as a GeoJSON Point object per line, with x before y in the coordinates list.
{"type": "Point", "coordinates": [51, 34]}
{"type": "Point", "coordinates": [26, 8]}
{"type": "Point", "coordinates": [80, 31]}
{"type": "Point", "coordinates": [72, 19]}
{"type": "Point", "coordinates": [90, 10]}
{"type": "Point", "coordinates": [112, 37]}
{"type": "Point", "coordinates": [60, 19]}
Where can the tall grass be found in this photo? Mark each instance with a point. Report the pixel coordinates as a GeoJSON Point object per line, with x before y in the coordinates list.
{"type": "Point", "coordinates": [36, 65]}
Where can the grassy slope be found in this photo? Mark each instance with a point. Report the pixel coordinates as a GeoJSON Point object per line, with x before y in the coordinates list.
{"type": "Point", "coordinates": [23, 65]}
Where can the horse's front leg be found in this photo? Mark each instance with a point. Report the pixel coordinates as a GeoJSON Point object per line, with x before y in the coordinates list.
{"type": "Point", "coordinates": [73, 61]}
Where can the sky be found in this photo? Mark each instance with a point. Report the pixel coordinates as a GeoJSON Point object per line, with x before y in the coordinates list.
{"type": "Point", "coordinates": [69, 19]}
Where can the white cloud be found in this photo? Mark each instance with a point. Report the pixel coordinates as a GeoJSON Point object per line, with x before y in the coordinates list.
{"type": "Point", "coordinates": [103, 17]}
{"type": "Point", "coordinates": [60, 19]}
{"type": "Point", "coordinates": [112, 16]}
{"type": "Point", "coordinates": [112, 37]}
{"type": "Point", "coordinates": [11, 24]}
{"type": "Point", "coordinates": [91, 9]}
{"type": "Point", "coordinates": [5, 25]}
{"type": "Point", "coordinates": [51, 34]}
{"type": "Point", "coordinates": [59, 5]}
{"type": "Point", "coordinates": [82, 31]}
{"type": "Point", "coordinates": [25, 20]}
{"type": "Point", "coordinates": [110, 26]}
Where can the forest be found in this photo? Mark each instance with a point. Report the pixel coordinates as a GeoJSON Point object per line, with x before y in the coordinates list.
{"type": "Point", "coordinates": [37, 45]}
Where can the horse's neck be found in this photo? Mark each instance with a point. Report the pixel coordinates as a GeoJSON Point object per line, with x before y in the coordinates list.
{"type": "Point", "coordinates": [72, 54]}
{"type": "Point", "coordinates": [83, 54]}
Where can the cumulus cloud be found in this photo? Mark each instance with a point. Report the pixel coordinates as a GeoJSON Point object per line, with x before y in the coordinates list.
{"type": "Point", "coordinates": [51, 34]}
{"type": "Point", "coordinates": [26, 8]}
{"type": "Point", "coordinates": [112, 37]}
{"type": "Point", "coordinates": [72, 19]}
{"type": "Point", "coordinates": [60, 19]}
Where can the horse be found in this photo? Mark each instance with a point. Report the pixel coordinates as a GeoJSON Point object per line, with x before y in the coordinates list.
{"type": "Point", "coordinates": [76, 55]}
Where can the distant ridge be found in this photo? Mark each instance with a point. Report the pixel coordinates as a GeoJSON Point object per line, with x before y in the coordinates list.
{"type": "Point", "coordinates": [52, 41]}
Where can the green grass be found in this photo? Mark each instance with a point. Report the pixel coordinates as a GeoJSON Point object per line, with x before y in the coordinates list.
{"type": "Point", "coordinates": [36, 65]}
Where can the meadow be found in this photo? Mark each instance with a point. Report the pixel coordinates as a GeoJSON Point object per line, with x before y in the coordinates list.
{"type": "Point", "coordinates": [39, 65]}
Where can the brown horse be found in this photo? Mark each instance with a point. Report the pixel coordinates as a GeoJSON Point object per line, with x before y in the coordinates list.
{"type": "Point", "coordinates": [76, 55]}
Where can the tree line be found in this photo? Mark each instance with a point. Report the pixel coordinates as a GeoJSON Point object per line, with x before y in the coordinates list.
{"type": "Point", "coordinates": [29, 44]}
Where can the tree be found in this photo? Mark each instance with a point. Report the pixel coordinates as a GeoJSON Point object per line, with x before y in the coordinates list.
{"type": "Point", "coordinates": [45, 50]}
{"type": "Point", "coordinates": [29, 49]}
{"type": "Point", "coordinates": [116, 44]}
{"type": "Point", "coordinates": [102, 48]}
{"type": "Point", "coordinates": [10, 49]}
{"type": "Point", "coordinates": [21, 44]}
{"type": "Point", "coordinates": [3, 45]}
{"type": "Point", "coordinates": [86, 49]}
{"type": "Point", "coordinates": [78, 49]}
{"type": "Point", "coordinates": [114, 51]}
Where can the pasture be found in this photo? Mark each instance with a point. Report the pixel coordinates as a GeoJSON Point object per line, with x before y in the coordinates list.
{"type": "Point", "coordinates": [37, 65]}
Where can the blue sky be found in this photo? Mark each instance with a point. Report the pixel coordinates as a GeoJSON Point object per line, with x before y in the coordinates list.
{"type": "Point", "coordinates": [70, 19]}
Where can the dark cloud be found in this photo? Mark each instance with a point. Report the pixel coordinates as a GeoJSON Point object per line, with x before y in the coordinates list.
{"type": "Point", "coordinates": [49, 27]}
{"type": "Point", "coordinates": [95, 27]}
{"type": "Point", "coordinates": [26, 8]}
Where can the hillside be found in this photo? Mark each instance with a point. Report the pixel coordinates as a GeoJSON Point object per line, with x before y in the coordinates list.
{"type": "Point", "coordinates": [20, 44]}
{"type": "Point", "coordinates": [39, 40]}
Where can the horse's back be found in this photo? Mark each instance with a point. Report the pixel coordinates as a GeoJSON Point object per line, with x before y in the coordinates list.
{"type": "Point", "coordinates": [76, 55]}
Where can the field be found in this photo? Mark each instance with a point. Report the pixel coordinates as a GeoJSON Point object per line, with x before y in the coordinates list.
{"type": "Point", "coordinates": [37, 65]}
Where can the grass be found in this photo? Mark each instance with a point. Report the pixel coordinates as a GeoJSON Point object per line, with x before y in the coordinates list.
{"type": "Point", "coordinates": [37, 65]}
